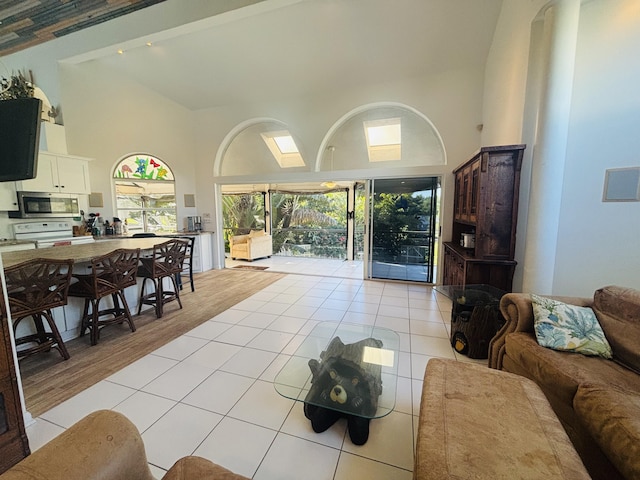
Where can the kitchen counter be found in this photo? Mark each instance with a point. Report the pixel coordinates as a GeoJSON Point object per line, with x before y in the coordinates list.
{"type": "Point", "coordinates": [79, 253]}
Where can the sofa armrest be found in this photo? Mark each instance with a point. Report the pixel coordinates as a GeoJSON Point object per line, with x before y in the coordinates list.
{"type": "Point", "coordinates": [518, 314]}
{"type": "Point", "coordinates": [103, 445]}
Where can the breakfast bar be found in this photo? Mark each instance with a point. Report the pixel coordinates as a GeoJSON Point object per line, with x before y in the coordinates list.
{"type": "Point", "coordinates": [79, 253]}
{"type": "Point", "coordinates": [68, 317]}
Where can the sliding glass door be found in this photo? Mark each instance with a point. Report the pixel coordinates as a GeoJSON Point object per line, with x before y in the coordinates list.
{"type": "Point", "coordinates": [403, 216]}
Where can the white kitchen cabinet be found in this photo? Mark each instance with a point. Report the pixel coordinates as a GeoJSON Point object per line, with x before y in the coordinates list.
{"type": "Point", "coordinates": [202, 255]}
{"type": "Point", "coordinates": [8, 197]}
{"type": "Point", "coordinates": [59, 173]}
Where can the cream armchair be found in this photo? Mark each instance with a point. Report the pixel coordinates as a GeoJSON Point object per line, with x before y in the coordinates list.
{"type": "Point", "coordinates": [256, 244]}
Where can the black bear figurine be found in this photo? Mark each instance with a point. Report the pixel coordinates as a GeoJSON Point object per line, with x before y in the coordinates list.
{"type": "Point", "coordinates": [343, 385]}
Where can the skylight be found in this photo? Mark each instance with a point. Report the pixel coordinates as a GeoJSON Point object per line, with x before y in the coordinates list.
{"type": "Point", "coordinates": [283, 148]}
{"type": "Point", "coordinates": [384, 139]}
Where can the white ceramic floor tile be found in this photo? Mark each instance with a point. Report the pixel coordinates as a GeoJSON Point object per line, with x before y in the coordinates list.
{"type": "Point", "coordinates": [176, 383]}
{"type": "Point", "coordinates": [102, 395]}
{"type": "Point", "coordinates": [287, 298]}
{"type": "Point", "coordinates": [249, 305]}
{"type": "Point", "coordinates": [213, 355]}
{"type": "Point", "coordinates": [416, 392]}
{"type": "Point", "coordinates": [249, 362]}
{"type": "Point", "coordinates": [328, 315]}
{"type": "Point", "coordinates": [300, 311]}
{"type": "Point", "coordinates": [432, 346]}
{"type": "Point", "coordinates": [355, 467]}
{"type": "Point", "coordinates": [237, 446]}
{"type": "Point", "coordinates": [359, 318]}
{"type": "Point", "coordinates": [393, 311]}
{"type": "Point", "coordinates": [387, 300]}
{"type": "Point", "coordinates": [177, 434]}
{"type": "Point", "coordinates": [180, 348]}
{"type": "Point", "coordinates": [289, 324]}
{"type": "Point", "coordinates": [363, 307]}
{"type": "Point", "coordinates": [238, 335]}
{"type": "Point", "coordinates": [403, 396]}
{"type": "Point", "coordinates": [390, 441]}
{"type": "Point", "coordinates": [421, 314]}
{"type": "Point", "coordinates": [209, 330]}
{"type": "Point", "coordinates": [310, 301]}
{"type": "Point", "coordinates": [41, 432]}
{"type": "Point", "coordinates": [292, 458]}
{"type": "Point", "coordinates": [274, 368]}
{"type": "Point", "coordinates": [144, 409]}
{"type": "Point", "coordinates": [259, 319]}
{"type": "Point", "coordinates": [275, 307]}
{"type": "Point", "coordinates": [219, 393]}
{"type": "Point", "coordinates": [397, 324]}
{"type": "Point", "coordinates": [271, 341]}
{"type": "Point", "coordinates": [142, 371]}
{"type": "Point", "coordinates": [231, 316]}
{"type": "Point", "coordinates": [418, 365]}
{"type": "Point", "coordinates": [298, 425]}
{"type": "Point", "coordinates": [430, 329]}
{"type": "Point", "coordinates": [263, 406]}
{"type": "Point", "coordinates": [336, 304]}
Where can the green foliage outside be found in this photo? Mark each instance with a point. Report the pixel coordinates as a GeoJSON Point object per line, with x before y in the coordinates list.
{"type": "Point", "coordinates": [400, 220]}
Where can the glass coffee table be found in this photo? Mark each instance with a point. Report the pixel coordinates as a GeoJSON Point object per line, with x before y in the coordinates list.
{"type": "Point", "coordinates": [343, 370]}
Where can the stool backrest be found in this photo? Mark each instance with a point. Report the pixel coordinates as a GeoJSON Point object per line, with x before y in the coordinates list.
{"type": "Point", "coordinates": [38, 284]}
{"type": "Point", "coordinates": [114, 271]}
{"type": "Point", "coordinates": [168, 258]}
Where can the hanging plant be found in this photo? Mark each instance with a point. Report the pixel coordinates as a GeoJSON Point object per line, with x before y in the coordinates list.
{"type": "Point", "coordinates": [16, 87]}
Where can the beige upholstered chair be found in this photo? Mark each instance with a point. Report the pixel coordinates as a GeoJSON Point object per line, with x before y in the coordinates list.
{"type": "Point", "coordinates": [256, 244]}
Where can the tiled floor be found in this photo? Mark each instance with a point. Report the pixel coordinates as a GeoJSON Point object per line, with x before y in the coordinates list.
{"type": "Point", "coordinates": [210, 392]}
{"type": "Point", "coordinates": [336, 268]}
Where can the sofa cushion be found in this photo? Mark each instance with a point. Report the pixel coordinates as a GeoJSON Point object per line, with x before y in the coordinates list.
{"type": "Point", "coordinates": [612, 417]}
{"type": "Point", "coordinates": [570, 328]}
{"type": "Point", "coordinates": [618, 311]}
{"type": "Point", "coordinates": [256, 233]}
{"type": "Point", "coordinates": [563, 372]}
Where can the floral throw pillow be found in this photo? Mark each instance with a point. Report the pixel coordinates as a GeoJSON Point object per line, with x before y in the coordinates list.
{"type": "Point", "coordinates": [569, 328]}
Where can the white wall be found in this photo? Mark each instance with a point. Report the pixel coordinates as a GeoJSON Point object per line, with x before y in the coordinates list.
{"type": "Point", "coordinates": [598, 241]}
{"type": "Point", "coordinates": [109, 117]}
{"type": "Point", "coordinates": [451, 100]}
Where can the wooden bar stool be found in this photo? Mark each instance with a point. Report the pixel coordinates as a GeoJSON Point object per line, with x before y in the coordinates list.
{"type": "Point", "coordinates": [34, 288]}
{"type": "Point", "coordinates": [165, 262]}
{"type": "Point", "coordinates": [110, 275]}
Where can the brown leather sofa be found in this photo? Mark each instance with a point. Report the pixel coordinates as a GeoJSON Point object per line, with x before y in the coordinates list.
{"type": "Point", "coordinates": [256, 244]}
{"type": "Point", "coordinates": [105, 445]}
{"type": "Point", "coordinates": [596, 399]}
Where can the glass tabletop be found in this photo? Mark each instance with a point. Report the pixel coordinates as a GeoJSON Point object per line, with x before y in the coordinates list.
{"type": "Point", "coordinates": [361, 359]}
{"type": "Point", "coordinates": [472, 295]}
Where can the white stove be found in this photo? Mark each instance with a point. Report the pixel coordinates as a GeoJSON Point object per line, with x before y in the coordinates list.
{"type": "Point", "coordinates": [49, 234]}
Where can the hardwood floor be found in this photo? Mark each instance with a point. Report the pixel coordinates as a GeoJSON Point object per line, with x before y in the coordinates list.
{"type": "Point", "coordinates": [48, 380]}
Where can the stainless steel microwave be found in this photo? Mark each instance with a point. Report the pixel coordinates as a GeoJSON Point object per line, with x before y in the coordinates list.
{"type": "Point", "coordinates": [46, 205]}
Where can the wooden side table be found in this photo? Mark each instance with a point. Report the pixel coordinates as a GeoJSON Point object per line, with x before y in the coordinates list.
{"type": "Point", "coordinates": [475, 317]}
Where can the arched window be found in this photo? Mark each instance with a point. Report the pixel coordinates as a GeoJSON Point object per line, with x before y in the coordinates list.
{"type": "Point", "coordinates": [145, 194]}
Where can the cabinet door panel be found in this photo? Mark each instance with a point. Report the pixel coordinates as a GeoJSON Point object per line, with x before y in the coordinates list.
{"type": "Point", "coordinates": [46, 177]}
{"type": "Point", "coordinates": [73, 175]}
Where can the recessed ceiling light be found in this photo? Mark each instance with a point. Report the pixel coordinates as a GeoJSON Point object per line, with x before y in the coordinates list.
{"type": "Point", "coordinates": [149, 44]}
{"type": "Point", "coordinates": [120, 51]}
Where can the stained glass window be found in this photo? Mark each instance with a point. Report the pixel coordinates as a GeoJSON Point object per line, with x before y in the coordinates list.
{"type": "Point", "coordinates": [145, 195]}
{"type": "Point", "coordinates": [143, 167]}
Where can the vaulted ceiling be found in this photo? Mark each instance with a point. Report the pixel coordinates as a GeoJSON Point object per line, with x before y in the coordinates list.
{"type": "Point", "coordinates": [255, 51]}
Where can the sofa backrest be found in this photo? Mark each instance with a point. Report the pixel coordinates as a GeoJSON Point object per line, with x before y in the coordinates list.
{"type": "Point", "coordinates": [618, 311]}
